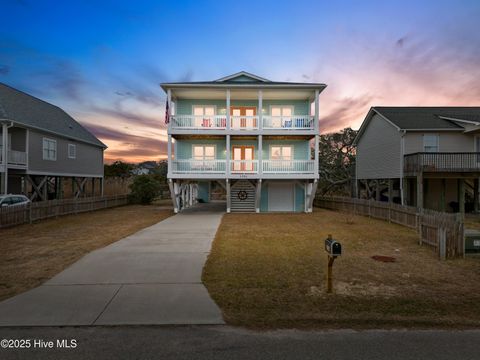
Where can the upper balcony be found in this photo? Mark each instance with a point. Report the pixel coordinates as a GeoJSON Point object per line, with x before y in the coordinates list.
{"type": "Point", "coordinates": [435, 162]}
{"type": "Point", "coordinates": [290, 123]}
{"type": "Point", "coordinates": [243, 104]}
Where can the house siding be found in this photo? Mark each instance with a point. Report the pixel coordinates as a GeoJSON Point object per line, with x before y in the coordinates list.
{"type": "Point", "coordinates": [379, 151]}
{"type": "Point", "coordinates": [447, 142]}
{"type": "Point", "coordinates": [88, 161]}
{"type": "Point", "coordinates": [185, 107]}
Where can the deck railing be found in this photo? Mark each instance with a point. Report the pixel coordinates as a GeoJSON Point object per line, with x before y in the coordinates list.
{"type": "Point", "coordinates": [244, 166]}
{"type": "Point", "coordinates": [288, 166]}
{"type": "Point", "coordinates": [242, 122]}
{"type": "Point", "coordinates": [296, 122]}
{"type": "Point", "coordinates": [442, 162]}
{"type": "Point", "coordinates": [15, 157]}
{"type": "Point", "coordinates": [198, 166]}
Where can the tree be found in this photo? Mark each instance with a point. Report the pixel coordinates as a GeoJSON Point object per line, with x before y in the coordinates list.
{"type": "Point", "coordinates": [144, 189]}
{"type": "Point", "coordinates": [337, 162]}
{"type": "Point", "coordinates": [118, 168]}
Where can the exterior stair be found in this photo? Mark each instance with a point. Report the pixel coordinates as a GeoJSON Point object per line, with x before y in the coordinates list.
{"type": "Point", "coordinates": [242, 196]}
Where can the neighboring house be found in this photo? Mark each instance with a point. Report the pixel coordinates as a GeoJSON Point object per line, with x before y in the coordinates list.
{"type": "Point", "coordinates": [41, 146]}
{"type": "Point", "coordinates": [245, 139]}
{"type": "Point", "coordinates": [429, 156]}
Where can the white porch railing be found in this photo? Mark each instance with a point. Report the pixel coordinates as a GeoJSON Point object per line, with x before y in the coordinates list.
{"type": "Point", "coordinates": [288, 166]}
{"type": "Point", "coordinates": [15, 157]}
{"type": "Point", "coordinates": [243, 122]}
{"type": "Point", "coordinates": [296, 122]}
{"type": "Point", "coordinates": [244, 166]}
{"type": "Point", "coordinates": [199, 122]}
{"type": "Point", "coordinates": [198, 166]}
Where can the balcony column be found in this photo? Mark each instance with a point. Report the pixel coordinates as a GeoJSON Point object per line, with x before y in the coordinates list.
{"type": "Point", "coordinates": [260, 154]}
{"type": "Point", "coordinates": [420, 190]}
{"type": "Point", "coordinates": [169, 102]}
{"type": "Point", "coordinates": [4, 181]}
{"type": "Point", "coordinates": [317, 149]}
{"type": "Point", "coordinates": [317, 115]}
{"type": "Point", "coordinates": [461, 196]}
{"type": "Point", "coordinates": [475, 194]}
{"type": "Point", "coordinates": [227, 156]}
{"type": "Point", "coordinates": [227, 183]}
{"type": "Point", "coordinates": [228, 109]}
{"type": "Point", "coordinates": [169, 155]}
{"type": "Point", "coordinates": [260, 107]}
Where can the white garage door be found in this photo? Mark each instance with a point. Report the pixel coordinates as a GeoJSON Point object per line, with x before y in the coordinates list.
{"type": "Point", "coordinates": [281, 196]}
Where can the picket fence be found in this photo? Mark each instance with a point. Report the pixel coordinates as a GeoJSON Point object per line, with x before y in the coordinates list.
{"type": "Point", "coordinates": [442, 231]}
{"type": "Point", "coordinates": [22, 214]}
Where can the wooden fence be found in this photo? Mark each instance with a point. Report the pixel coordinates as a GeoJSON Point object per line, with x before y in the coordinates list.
{"type": "Point", "coordinates": [442, 231]}
{"type": "Point", "coordinates": [21, 214]}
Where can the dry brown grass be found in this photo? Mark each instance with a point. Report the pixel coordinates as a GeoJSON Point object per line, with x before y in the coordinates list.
{"type": "Point", "coordinates": [268, 271]}
{"type": "Point", "coordinates": [32, 254]}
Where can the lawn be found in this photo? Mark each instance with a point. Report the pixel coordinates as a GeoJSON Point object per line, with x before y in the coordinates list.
{"type": "Point", "coordinates": [268, 271]}
{"type": "Point", "coordinates": [32, 254]}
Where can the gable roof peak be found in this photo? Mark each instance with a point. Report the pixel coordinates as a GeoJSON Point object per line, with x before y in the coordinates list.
{"type": "Point", "coordinates": [245, 75]}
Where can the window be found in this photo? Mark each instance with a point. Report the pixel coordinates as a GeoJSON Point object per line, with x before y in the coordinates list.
{"type": "Point", "coordinates": [49, 149]}
{"type": "Point", "coordinates": [281, 152]}
{"type": "Point", "coordinates": [204, 152]}
{"type": "Point", "coordinates": [281, 116]}
{"type": "Point", "coordinates": [72, 151]}
{"type": "Point", "coordinates": [204, 115]}
{"type": "Point", "coordinates": [430, 143]}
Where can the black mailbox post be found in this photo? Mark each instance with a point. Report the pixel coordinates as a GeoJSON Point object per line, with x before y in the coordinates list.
{"type": "Point", "coordinates": [333, 249]}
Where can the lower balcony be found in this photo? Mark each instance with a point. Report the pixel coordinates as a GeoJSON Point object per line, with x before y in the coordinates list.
{"type": "Point", "coordinates": [243, 168]}
{"type": "Point", "coordinates": [442, 162]}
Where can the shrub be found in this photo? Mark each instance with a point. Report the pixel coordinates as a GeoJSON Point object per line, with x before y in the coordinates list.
{"type": "Point", "coordinates": [144, 189]}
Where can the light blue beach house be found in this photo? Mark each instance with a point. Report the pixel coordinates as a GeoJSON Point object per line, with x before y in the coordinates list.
{"type": "Point", "coordinates": [245, 140]}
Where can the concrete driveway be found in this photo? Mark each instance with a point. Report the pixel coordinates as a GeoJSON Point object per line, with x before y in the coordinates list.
{"type": "Point", "coordinates": [151, 277]}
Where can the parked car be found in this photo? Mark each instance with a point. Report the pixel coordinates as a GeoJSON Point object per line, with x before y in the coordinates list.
{"type": "Point", "coordinates": [13, 200]}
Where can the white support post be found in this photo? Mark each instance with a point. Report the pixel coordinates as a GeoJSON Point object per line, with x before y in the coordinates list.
{"type": "Point", "coordinates": [315, 165]}
{"type": "Point", "coordinates": [259, 110]}
{"type": "Point", "coordinates": [173, 195]}
{"type": "Point", "coordinates": [228, 196]}
{"type": "Point", "coordinates": [169, 155]}
{"type": "Point", "coordinates": [227, 155]}
{"type": "Point", "coordinates": [260, 154]}
{"type": "Point", "coordinates": [258, 195]}
{"type": "Point", "coordinates": [228, 109]}
{"type": "Point", "coordinates": [317, 113]}
{"type": "Point", "coordinates": [311, 198]}
{"type": "Point", "coordinates": [169, 102]}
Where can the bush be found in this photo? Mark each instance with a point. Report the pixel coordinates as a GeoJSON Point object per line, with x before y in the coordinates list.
{"type": "Point", "coordinates": [144, 189]}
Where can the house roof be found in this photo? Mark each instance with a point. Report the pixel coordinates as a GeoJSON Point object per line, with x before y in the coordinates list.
{"type": "Point", "coordinates": [242, 79]}
{"type": "Point", "coordinates": [31, 112]}
{"type": "Point", "coordinates": [415, 118]}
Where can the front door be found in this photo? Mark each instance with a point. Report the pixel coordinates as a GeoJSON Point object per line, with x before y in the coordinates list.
{"type": "Point", "coordinates": [242, 156]}
{"type": "Point", "coordinates": [243, 117]}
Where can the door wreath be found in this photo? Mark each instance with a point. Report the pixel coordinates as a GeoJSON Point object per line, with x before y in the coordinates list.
{"type": "Point", "coordinates": [242, 195]}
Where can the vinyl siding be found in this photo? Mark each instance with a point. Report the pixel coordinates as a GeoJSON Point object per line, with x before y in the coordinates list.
{"type": "Point", "coordinates": [379, 151]}
{"type": "Point", "coordinates": [447, 142]}
{"type": "Point", "coordinates": [204, 190]}
{"type": "Point", "coordinates": [185, 107]}
{"type": "Point", "coordinates": [89, 159]}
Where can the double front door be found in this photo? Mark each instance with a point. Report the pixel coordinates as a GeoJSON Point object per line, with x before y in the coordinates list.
{"type": "Point", "coordinates": [243, 158]}
{"type": "Point", "coordinates": [243, 117]}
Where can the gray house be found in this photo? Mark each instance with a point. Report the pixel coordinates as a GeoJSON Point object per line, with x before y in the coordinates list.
{"type": "Point", "coordinates": [421, 156]}
{"type": "Point", "coordinates": [42, 147]}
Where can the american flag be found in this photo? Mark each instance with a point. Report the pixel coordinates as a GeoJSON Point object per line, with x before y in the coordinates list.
{"type": "Point", "coordinates": [167, 115]}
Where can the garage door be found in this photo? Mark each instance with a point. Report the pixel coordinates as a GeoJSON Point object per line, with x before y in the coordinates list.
{"type": "Point", "coordinates": [281, 196]}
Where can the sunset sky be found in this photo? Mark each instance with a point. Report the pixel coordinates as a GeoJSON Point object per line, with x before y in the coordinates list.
{"type": "Point", "coordinates": [102, 61]}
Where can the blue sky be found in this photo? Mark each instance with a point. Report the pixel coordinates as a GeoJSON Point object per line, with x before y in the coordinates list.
{"type": "Point", "coordinates": [102, 60]}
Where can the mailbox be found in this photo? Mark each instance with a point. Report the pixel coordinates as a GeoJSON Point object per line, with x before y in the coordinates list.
{"type": "Point", "coordinates": [333, 247]}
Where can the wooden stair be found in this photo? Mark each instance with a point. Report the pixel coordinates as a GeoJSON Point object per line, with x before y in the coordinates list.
{"type": "Point", "coordinates": [238, 201]}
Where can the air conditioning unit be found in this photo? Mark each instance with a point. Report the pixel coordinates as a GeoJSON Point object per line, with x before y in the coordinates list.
{"type": "Point", "coordinates": [472, 241]}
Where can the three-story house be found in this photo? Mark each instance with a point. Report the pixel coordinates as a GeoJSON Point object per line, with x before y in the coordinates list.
{"type": "Point", "coordinates": [243, 139]}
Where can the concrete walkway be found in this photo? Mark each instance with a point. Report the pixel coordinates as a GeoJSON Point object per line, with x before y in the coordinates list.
{"type": "Point", "coordinates": [151, 277]}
